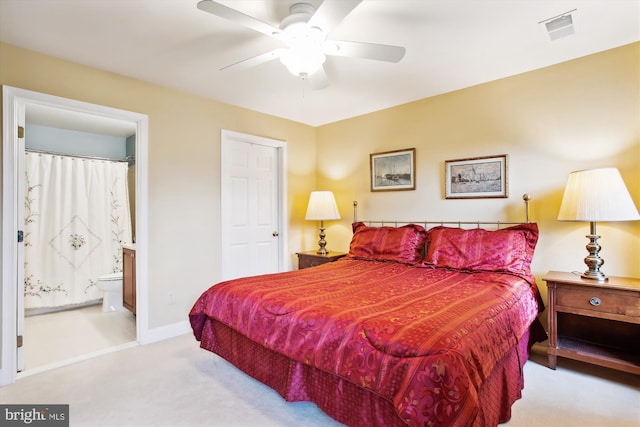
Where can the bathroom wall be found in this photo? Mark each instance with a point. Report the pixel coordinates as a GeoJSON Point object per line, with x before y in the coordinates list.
{"type": "Point", "coordinates": [64, 141]}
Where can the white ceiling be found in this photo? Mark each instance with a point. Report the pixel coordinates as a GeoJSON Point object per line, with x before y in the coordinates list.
{"type": "Point", "coordinates": [450, 44]}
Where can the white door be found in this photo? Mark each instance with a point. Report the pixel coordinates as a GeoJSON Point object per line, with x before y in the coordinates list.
{"type": "Point", "coordinates": [252, 233]}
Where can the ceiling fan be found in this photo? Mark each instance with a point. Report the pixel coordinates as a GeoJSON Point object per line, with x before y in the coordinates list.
{"type": "Point", "coordinates": [303, 34]}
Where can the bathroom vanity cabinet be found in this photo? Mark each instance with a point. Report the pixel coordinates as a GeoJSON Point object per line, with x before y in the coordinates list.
{"type": "Point", "coordinates": [129, 278]}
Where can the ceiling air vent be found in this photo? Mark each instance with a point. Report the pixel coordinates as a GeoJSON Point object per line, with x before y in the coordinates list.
{"type": "Point", "coordinates": [560, 26]}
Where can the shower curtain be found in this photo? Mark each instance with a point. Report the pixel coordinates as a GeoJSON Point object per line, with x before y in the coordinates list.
{"type": "Point", "coordinates": [76, 219]}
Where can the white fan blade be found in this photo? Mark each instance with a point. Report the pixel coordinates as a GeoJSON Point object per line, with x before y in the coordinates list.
{"type": "Point", "coordinates": [319, 79]}
{"type": "Point", "coordinates": [378, 52]}
{"type": "Point", "coordinates": [331, 13]}
{"type": "Point", "coordinates": [254, 60]}
{"type": "Point", "coordinates": [233, 15]}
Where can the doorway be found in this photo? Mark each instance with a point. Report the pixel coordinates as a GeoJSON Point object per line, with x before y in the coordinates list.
{"type": "Point", "coordinates": [16, 104]}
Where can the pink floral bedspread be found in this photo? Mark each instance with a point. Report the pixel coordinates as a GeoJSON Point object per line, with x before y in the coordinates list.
{"type": "Point", "coordinates": [422, 338]}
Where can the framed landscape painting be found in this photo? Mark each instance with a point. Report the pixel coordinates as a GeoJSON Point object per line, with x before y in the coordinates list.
{"type": "Point", "coordinates": [476, 177]}
{"type": "Point", "coordinates": [393, 170]}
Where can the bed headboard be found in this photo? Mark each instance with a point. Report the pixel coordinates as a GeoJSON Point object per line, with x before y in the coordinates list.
{"type": "Point", "coordinates": [459, 224]}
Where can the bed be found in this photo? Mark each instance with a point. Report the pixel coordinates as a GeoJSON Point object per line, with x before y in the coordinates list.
{"type": "Point", "coordinates": [415, 326]}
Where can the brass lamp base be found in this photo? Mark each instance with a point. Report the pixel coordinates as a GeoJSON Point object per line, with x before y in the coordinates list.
{"type": "Point", "coordinates": [322, 243]}
{"type": "Point", "coordinates": [593, 261]}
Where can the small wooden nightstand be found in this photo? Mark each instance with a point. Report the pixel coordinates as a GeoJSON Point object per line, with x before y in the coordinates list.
{"type": "Point", "coordinates": [311, 258]}
{"type": "Point", "coordinates": [594, 322]}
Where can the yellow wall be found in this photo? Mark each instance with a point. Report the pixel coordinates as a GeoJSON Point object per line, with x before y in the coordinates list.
{"type": "Point", "coordinates": [184, 168]}
{"type": "Point", "coordinates": [579, 114]}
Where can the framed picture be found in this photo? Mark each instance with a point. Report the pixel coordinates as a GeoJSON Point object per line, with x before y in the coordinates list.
{"type": "Point", "coordinates": [476, 177]}
{"type": "Point", "coordinates": [393, 170]}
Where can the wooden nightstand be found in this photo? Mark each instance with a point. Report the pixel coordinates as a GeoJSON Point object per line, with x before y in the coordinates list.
{"type": "Point", "coordinates": [594, 322]}
{"type": "Point", "coordinates": [311, 258]}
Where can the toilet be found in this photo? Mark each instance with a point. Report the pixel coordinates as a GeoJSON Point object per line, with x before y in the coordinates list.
{"type": "Point", "coordinates": [111, 287]}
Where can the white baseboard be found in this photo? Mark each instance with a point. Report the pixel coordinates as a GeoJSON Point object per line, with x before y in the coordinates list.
{"type": "Point", "coordinates": [165, 332]}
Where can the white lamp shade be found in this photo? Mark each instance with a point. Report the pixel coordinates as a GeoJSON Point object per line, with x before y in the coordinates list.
{"type": "Point", "coordinates": [597, 195]}
{"type": "Point", "coordinates": [322, 206]}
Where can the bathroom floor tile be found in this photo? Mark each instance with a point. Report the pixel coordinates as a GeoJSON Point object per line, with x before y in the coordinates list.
{"type": "Point", "coordinates": [54, 337]}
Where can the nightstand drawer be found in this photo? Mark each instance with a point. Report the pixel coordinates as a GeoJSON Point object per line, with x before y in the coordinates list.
{"type": "Point", "coordinates": [312, 258]}
{"type": "Point", "coordinates": [306, 262]}
{"type": "Point", "coordinates": [597, 300]}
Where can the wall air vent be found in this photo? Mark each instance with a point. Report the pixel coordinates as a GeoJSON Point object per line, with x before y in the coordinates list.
{"type": "Point", "coordinates": [560, 26]}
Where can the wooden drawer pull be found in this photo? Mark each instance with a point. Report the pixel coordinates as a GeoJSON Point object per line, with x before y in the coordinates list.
{"type": "Point", "coordinates": [595, 301]}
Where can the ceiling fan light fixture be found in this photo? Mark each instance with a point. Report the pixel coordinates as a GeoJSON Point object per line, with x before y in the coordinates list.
{"type": "Point", "coordinates": [303, 34]}
{"type": "Point", "coordinates": [302, 62]}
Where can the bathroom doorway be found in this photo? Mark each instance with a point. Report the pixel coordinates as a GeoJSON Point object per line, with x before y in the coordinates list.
{"type": "Point", "coordinates": [80, 176]}
{"type": "Point", "coordinates": [26, 107]}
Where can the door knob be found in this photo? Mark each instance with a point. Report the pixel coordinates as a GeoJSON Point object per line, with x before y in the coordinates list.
{"type": "Point", "coordinates": [275, 234]}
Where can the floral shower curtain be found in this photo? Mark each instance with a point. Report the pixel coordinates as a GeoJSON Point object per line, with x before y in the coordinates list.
{"type": "Point", "coordinates": [76, 219]}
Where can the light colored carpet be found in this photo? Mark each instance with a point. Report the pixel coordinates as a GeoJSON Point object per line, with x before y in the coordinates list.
{"type": "Point", "coordinates": [175, 383]}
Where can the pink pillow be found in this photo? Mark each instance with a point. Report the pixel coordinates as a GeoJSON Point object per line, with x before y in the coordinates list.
{"type": "Point", "coordinates": [400, 244]}
{"type": "Point", "coordinates": [510, 249]}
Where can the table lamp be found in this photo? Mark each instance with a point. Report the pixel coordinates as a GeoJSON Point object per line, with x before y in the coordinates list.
{"type": "Point", "coordinates": [322, 207]}
{"type": "Point", "coordinates": [596, 195]}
